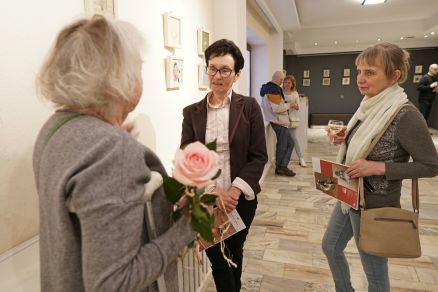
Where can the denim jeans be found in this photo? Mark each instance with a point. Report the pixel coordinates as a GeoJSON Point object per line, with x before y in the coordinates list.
{"type": "Point", "coordinates": [283, 149]}
{"type": "Point", "coordinates": [341, 228]}
{"type": "Point", "coordinates": [296, 144]}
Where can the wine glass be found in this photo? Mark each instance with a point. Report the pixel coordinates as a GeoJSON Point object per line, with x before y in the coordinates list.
{"type": "Point", "coordinates": [335, 127]}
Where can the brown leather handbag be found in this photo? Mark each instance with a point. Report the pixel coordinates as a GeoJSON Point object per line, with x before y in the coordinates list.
{"type": "Point", "coordinates": [389, 232]}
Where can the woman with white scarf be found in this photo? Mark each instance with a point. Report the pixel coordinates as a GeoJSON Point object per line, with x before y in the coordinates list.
{"type": "Point", "coordinates": [380, 70]}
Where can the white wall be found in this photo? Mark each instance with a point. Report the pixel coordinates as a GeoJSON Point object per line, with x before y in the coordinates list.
{"type": "Point", "coordinates": [28, 30]}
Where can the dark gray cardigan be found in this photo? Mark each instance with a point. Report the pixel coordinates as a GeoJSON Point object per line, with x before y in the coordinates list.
{"type": "Point", "coordinates": [407, 136]}
{"type": "Point", "coordinates": [104, 247]}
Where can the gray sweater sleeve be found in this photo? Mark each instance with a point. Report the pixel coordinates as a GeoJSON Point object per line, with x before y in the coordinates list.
{"type": "Point", "coordinates": [108, 197]}
{"type": "Point", "coordinates": [413, 136]}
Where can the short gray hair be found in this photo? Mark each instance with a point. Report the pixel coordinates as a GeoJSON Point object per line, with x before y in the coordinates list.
{"type": "Point", "coordinates": [94, 63]}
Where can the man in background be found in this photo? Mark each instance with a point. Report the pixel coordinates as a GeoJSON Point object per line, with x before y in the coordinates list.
{"type": "Point", "coordinates": [428, 89]}
{"type": "Point", "coordinates": [276, 112]}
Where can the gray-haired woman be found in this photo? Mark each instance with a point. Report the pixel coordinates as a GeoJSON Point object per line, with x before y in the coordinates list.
{"type": "Point", "coordinates": [90, 173]}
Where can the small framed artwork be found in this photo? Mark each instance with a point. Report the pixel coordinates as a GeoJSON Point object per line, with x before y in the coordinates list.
{"type": "Point", "coordinates": [306, 82]}
{"type": "Point", "coordinates": [174, 72]}
{"type": "Point", "coordinates": [172, 30]}
{"type": "Point", "coordinates": [203, 40]}
{"type": "Point", "coordinates": [306, 74]}
{"type": "Point", "coordinates": [326, 73]}
{"type": "Point", "coordinates": [326, 81]}
{"type": "Point", "coordinates": [346, 81]}
{"type": "Point", "coordinates": [417, 78]}
{"type": "Point", "coordinates": [418, 69]}
{"type": "Point", "coordinates": [202, 77]}
{"type": "Point", "coordinates": [347, 72]}
{"type": "Point", "coordinates": [103, 7]}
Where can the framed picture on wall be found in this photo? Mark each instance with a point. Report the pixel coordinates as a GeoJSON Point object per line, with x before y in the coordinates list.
{"type": "Point", "coordinates": [347, 72]}
{"type": "Point", "coordinates": [203, 40]}
{"type": "Point", "coordinates": [326, 81]}
{"type": "Point", "coordinates": [326, 73]}
{"type": "Point", "coordinates": [172, 30]}
{"type": "Point", "coordinates": [418, 69]}
{"type": "Point", "coordinates": [417, 78]}
{"type": "Point", "coordinates": [306, 73]}
{"type": "Point", "coordinates": [103, 7]}
{"type": "Point", "coordinates": [346, 81]}
{"type": "Point", "coordinates": [174, 72]}
{"type": "Point", "coordinates": [202, 77]}
{"type": "Point", "coordinates": [306, 82]}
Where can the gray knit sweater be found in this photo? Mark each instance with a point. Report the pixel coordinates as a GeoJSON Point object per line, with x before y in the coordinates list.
{"type": "Point", "coordinates": [407, 136]}
{"type": "Point", "coordinates": [104, 246]}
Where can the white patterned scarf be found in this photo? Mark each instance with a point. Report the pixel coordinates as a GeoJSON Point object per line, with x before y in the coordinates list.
{"type": "Point", "coordinates": [373, 112]}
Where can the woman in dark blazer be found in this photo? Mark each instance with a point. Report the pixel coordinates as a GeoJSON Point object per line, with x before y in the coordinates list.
{"type": "Point", "coordinates": [236, 123]}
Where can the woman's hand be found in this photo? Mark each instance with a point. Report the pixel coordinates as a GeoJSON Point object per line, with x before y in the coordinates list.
{"type": "Point", "coordinates": [130, 127]}
{"type": "Point", "coordinates": [363, 167]}
{"type": "Point", "coordinates": [228, 199]}
{"type": "Point", "coordinates": [336, 138]}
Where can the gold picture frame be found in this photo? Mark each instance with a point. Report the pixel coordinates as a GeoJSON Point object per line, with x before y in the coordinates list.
{"type": "Point", "coordinates": [172, 30]}
{"type": "Point", "coordinates": [347, 72]}
{"type": "Point", "coordinates": [306, 82]}
{"type": "Point", "coordinates": [417, 78]}
{"type": "Point", "coordinates": [326, 81]}
{"type": "Point", "coordinates": [306, 73]}
{"type": "Point", "coordinates": [103, 7]}
{"type": "Point", "coordinates": [326, 73]}
{"type": "Point", "coordinates": [202, 77]}
{"type": "Point", "coordinates": [346, 81]}
{"type": "Point", "coordinates": [203, 40]}
{"type": "Point", "coordinates": [174, 72]}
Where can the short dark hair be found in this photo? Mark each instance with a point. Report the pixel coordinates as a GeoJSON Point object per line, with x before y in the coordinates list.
{"type": "Point", "coordinates": [223, 47]}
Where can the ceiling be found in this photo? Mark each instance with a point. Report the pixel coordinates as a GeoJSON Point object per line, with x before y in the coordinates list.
{"type": "Point", "coordinates": [328, 26]}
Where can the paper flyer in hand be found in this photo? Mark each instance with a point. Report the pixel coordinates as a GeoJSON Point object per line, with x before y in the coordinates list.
{"type": "Point", "coordinates": [225, 226]}
{"type": "Point", "coordinates": [330, 178]}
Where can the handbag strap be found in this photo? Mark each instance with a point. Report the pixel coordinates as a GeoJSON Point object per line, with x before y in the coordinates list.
{"type": "Point", "coordinates": [415, 198]}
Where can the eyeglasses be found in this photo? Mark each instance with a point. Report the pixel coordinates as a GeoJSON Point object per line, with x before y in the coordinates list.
{"type": "Point", "coordinates": [224, 72]}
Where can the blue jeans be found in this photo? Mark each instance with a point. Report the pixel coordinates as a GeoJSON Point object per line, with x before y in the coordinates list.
{"type": "Point", "coordinates": [296, 144]}
{"type": "Point", "coordinates": [283, 149]}
{"type": "Point", "coordinates": [341, 228]}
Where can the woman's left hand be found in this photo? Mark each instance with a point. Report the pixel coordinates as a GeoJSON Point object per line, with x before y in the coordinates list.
{"type": "Point", "coordinates": [363, 167]}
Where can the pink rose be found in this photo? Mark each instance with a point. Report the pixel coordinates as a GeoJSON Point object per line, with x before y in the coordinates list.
{"type": "Point", "coordinates": [195, 165]}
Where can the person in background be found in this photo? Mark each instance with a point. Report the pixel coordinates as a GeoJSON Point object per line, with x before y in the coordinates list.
{"type": "Point", "coordinates": [380, 70]}
{"type": "Point", "coordinates": [427, 90]}
{"type": "Point", "coordinates": [276, 112]}
{"type": "Point", "coordinates": [236, 123]}
{"type": "Point", "coordinates": [292, 97]}
{"type": "Point", "coordinates": [91, 174]}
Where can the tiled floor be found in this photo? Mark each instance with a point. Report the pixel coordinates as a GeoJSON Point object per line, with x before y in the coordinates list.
{"type": "Point", "coordinates": [283, 250]}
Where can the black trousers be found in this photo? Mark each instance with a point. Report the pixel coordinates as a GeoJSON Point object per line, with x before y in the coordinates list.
{"type": "Point", "coordinates": [425, 105]}
{"type": "Point", "coordinates": [227, 279]}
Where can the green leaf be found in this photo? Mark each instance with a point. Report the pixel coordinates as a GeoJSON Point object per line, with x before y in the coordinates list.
{"type": "Point", "coordinates": [217, 174]}
{"type": "Point", "coordinates": [212, 145]}
{"type": "Point", "coordinates": [173, 189]}
{"type": "Point", "coordinates": [208, 199]}
{"type": "Point", "coordinates": [202, 222]}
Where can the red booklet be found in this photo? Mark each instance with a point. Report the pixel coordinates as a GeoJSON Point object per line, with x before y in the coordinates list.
{"type": "Point", "coordinates": [330, 178]}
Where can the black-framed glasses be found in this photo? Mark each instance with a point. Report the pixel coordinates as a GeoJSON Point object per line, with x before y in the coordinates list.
{"type": "Point", "coordinates": [224, 72]}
